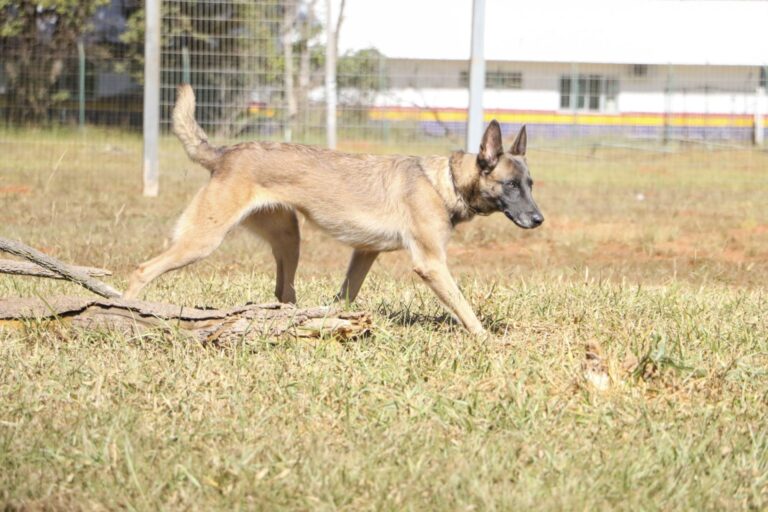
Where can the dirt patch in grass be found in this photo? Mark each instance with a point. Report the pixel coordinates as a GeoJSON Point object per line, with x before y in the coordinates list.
{"type": "Point", "coordinates": [14, 189]}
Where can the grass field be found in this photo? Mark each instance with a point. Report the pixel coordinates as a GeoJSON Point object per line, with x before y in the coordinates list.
{"type": "Point", "coordinates": [650, 269]}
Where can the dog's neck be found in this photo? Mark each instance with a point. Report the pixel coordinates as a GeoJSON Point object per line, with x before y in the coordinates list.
{"type": "Point", "coordinates": [455, 178]}
{"type": "Point", "coordinates": [464, 174]}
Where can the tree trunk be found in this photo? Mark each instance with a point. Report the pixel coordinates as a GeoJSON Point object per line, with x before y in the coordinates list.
{"type": "Point", "coordinates": [289, 19]}
{"type": "Point", "coordinates": [305, 66]}
{"type": "Point", "coordinates": [330, 76]}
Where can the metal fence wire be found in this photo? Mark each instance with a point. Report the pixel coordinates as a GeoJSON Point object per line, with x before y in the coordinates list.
{"type": "Point", "coordinates": [258, 69]}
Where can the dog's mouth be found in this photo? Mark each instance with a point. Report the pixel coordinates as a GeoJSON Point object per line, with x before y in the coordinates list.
{"type": "Point", "coordinates": [525, 221]}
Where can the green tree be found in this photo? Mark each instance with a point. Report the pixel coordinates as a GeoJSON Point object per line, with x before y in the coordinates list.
{"type": "Point", "coordinates": [37, 39]}
{"type": "Point", "coordinates": [364, 72]}
{"type": "Point", "coordinates": [361, 75]}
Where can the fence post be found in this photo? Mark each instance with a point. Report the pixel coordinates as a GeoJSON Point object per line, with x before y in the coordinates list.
{"type": "Point", "coordinates": [81, 84]}
{"type": "Point", "coordinates": [574, 92]}
{"type": "Point", "coordinates": [151, 169]}
{"type": "Point", "coordinates": [759, 135]}
{"type": "Point", "coordinates": [476, 77]}
{"type": "Point", "coordinates": [669, 90]}
{"type": "Point", "coordinates": [330, 76]}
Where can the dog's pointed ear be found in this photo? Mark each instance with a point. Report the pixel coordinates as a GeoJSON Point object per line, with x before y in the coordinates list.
{"type": "Point", "coordinates": [521, 141]}
{"type": "Point", "coordinates": [490, 148]}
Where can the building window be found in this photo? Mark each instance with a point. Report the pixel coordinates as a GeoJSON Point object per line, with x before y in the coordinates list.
{"type": "Point", "coordinates": [640, 70]}
{"type": "Point", "coordinates": [595, 93]}
{"type": "Point", "coordinates": [503, 80]}
{"type": "Point", "coordinates": [496, 79]}
{"type": "Point", "coordinates": [764, 77]}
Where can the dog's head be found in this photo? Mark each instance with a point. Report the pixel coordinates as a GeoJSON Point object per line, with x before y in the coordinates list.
{"type": "Point", "coordinates": [505, 185]}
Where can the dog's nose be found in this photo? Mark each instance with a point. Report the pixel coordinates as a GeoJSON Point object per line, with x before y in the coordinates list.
{"type": "Point", "coordinates": [537, 219]}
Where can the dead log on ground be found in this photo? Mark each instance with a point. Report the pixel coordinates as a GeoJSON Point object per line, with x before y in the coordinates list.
{"type": "Point", "coordinates": [137, 317]}
{"type": "Point", "coordinates": [206, 325]}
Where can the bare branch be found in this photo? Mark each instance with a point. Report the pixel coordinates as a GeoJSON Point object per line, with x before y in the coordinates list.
{"type": "Point", "coordinates": [136, 317]}
{"type": "Point", "coordinates": [67, 272]}
{"type": "Point", "coordinates": [23, 268]}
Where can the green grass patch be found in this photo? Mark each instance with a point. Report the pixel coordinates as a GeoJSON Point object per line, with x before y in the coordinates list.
{"type": "Point", "coordinates": [650, 268]}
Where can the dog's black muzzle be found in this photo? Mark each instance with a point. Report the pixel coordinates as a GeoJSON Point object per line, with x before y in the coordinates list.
{"type": "Point", "coordinates": [525, 220]}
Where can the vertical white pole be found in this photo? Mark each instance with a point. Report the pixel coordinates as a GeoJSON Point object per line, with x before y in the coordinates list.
{"type": "Point", "coordinates": [668, 103]}
{"type": "Point", "coordinates": [759, 113]}
{"type": "Point", "coordinates": [575, 93]}
{"type": "Point", "coordinates": [330, 76]}
{"type": "Point", "coordinates": [476, 77]}
{"type": "Point", "coordinates": [152, 98]}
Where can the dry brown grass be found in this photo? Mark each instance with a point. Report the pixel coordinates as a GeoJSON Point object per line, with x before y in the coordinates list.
{"type": "Point", "coordinates": [649, 272]}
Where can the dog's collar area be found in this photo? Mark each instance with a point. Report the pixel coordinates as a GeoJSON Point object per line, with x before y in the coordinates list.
{"type": "Point", "coordinates": [461, 207]}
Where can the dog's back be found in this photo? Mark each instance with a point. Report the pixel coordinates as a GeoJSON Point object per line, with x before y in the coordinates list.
{"type": "Point", "coordinates": [361, 200]}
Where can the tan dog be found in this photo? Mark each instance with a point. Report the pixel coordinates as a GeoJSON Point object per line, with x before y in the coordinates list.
{"type": "Point", "coordinates": [372, 203]}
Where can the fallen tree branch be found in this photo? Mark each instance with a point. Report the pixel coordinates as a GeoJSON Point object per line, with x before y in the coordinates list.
{"type": "Point", "coordinates": [205, 325]}
{"type": "Point", "coordinates": [67, 272]}
{"type": "Point", "coordinates": [23, 268]}
{"type": "Point", "coordinates": [136, 317]}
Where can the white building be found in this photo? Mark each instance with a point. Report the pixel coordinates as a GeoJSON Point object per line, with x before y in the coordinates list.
{"type": "Point", "coordinates": [687, 68]}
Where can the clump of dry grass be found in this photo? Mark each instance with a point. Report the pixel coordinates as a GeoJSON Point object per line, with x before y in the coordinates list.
{"type": "Point", "coordinates": [662, 299]}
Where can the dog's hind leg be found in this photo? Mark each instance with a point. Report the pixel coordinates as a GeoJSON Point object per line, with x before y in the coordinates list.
{"type": "Point", "coordinates": [280, 228]}
{"type": "Point", "coordinates": [358, 268]}
{"type": "Point", "coordinates": [200, 230]}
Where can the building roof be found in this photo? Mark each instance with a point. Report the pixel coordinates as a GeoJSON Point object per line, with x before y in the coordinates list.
{"type": "Point", "coordinates": [717, 32]}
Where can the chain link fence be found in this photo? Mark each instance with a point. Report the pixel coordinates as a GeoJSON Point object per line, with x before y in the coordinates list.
{"type": "Point", "coordinates": [71, 73]}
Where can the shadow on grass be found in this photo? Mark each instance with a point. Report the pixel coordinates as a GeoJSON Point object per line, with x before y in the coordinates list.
{"type": "Point", "coordinates": [406, 317]}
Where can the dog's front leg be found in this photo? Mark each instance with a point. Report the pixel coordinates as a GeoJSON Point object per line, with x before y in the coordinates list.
{"type": "Point", "coordinates": [359, 266]}
{"type": "Point", "coordinates": [432, 268]}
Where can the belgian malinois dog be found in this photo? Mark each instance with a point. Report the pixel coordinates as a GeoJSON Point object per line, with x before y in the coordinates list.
{"type": "Point", "coordinates": [373, 203]}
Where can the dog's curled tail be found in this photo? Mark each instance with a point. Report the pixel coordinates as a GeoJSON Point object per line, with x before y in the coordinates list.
{"type": "Point", "coordinates": [190, 133]}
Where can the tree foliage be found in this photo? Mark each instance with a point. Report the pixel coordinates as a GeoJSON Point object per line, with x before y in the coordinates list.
{"type": "Point", "coordinates": [233, 53]}
{"type": "Point", "coordinates": [362, 71]}
{"type": "Point", "coordinates": [37, 38]}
